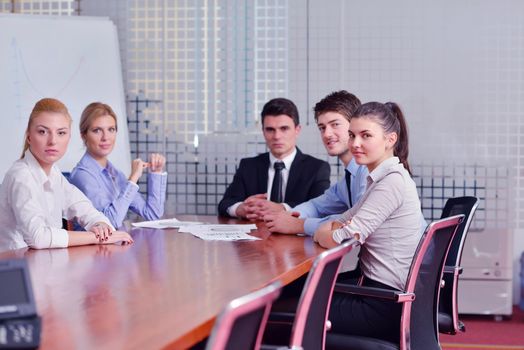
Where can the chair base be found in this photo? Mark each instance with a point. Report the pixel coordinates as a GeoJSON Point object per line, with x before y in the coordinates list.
{"type": "Point", "coordinates": [445, 324]}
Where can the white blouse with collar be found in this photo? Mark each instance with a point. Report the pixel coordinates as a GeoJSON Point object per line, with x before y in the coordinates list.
{"type": "Point", "coordinates": [33, 204]}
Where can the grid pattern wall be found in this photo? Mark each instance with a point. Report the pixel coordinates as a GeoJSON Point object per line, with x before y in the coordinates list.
{"type": "Point", "coordinates": [500, 128]}
{"type": "Point", "coordinates": [313, 26]}
{"type": "Point", "coordinates": [270, 68]}
{"type": "Point", "coordinates": [117, 11]}
{"type": "Point", "coordinates": [197, 59]}
{"type": "Point", "coordinates": [41, 7]}
{"type": "Point", "coordinates": [6, 6]}
{"type": "Point", "coordinates": [438, 182]}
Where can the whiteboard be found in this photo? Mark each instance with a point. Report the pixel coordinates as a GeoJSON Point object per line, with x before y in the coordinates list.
{"type": "Point", "coordinates": [73, 59]}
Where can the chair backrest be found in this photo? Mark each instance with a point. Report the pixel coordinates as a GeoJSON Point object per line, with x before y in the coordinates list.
{"type": "Point", "coordinates": [449, 322]}
{"type": "Point", "coordinates": [419, 326]}
{"type": "Point", "coordinates": [454, 206]}
{"type": "Point", "coordinates": [241, 323]}
{"type": "Point", "coordinates": [309, 327]}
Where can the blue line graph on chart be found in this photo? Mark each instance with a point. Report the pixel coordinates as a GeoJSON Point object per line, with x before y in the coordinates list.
{"type": "Point", "coordinates": [16, 75]}
{"type": "Point", "coordinates": [23, 83]}
{"type": "Point", "coordinates": [75, 60]}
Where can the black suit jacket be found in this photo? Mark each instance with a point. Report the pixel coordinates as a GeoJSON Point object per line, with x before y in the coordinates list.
{"type": "Point", "coordinates": [308, 178]}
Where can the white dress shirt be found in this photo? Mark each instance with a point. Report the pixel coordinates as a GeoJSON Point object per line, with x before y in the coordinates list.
{"type": "Point", "coordinates": [288, 160]}
{"type": "Point", "coordinates": [33, 204]}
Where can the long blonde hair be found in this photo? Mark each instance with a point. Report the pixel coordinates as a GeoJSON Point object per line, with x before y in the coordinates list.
{"type": "Point", "coordinates": [44, 105]}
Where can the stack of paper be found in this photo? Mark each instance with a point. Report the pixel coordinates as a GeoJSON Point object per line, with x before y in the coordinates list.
{"type": "Point", "coordinates": [166, 223]}
{"type": "Point", "coordinates": [221, 232]}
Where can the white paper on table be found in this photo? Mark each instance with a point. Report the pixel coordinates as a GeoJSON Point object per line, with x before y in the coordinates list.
{"type": "Point", "coordinates": [218, 228]}
{"type": "Point", "coordinates": [224, 236]}
{"type": "Point", "coordinates": [221, 232]}
{"type": "Point", "coordinates": [165, 223]}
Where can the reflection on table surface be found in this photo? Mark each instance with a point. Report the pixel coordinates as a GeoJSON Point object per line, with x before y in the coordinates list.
{"type": "Point", "coordinates": [163, 291]}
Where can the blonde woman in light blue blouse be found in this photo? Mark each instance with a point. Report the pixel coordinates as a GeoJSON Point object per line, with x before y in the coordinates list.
{"type": "Point", "coordinates": [110, 190]}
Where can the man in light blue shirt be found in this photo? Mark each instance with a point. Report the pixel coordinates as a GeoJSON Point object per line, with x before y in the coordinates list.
{"type": "Point", "coordinates": [332, 115]}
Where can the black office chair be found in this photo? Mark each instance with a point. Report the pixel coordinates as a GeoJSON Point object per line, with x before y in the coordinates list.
{"type": "Point", "coordinates": [304, 326]}
{"type": "Point", "coordinates": [241, 324]}
{"type": "Point", "coordinates": [418, 323]}
{"type": "Point", "coordinates": [448, 320]}
{"type": "Point", "coordinates": [67, 224]}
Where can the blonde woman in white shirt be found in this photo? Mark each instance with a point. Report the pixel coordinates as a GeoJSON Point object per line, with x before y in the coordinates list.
{"type": "Point", "coordinates": [35, 196]}
{"type": "Point", "coordinates": [386, 221]}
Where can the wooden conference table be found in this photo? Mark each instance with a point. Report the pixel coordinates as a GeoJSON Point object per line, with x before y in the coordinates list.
{"type": "Point", "coordinates": [163, 291]}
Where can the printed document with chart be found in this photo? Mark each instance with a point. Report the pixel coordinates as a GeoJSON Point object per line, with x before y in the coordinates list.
{"type": "Point", "coordinates": [221, 232]}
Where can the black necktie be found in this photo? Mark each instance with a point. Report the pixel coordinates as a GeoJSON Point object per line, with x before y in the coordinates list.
{"type": "Point", "coordinates": [276, 188]}
{"type": "Point", "coordinates": [348, 183]}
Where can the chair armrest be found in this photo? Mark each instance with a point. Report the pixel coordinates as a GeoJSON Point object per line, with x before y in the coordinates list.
{"type": "Point", "coordinates": [398, 296]}
{"type": "Point", "coordinates": [453, 270]}
{"type": "Point", "coordinates": [274, 347]}
{"type": "Point", "coordinates": [282, 317]}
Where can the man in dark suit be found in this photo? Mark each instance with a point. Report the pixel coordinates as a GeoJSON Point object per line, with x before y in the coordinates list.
{"type": "Point", "coordinates": [284, 176]}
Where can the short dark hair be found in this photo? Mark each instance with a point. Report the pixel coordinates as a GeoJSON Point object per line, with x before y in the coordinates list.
{"type": "Point", "coordinates": [342, 102]}
{"type": "Point", "coordinates": [278, 106]}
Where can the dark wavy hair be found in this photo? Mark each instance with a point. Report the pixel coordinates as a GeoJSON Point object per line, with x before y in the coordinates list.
{"type": "Point", "coordinates": [342, 102]}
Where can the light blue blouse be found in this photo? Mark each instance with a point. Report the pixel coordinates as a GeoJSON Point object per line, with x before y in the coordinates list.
{"type": "Point", "coordinates": [113, 194]}
{"type": "Point", "coordinates": [335, 200]}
